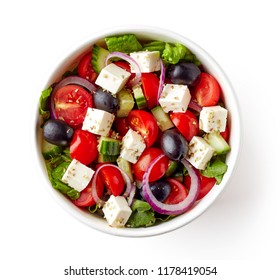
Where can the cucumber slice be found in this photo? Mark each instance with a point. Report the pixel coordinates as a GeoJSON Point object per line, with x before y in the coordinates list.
{"type": "Point", "coordinates": [99, 55]}
{"type": "Point", "coordinates": [49, 150]}
{"type": "Point", "coordinates": [163, 119]}
{"type": "Point", "coordinates": [217, 142]}
{"type": "Point", "coordinates": [139, 97]}
{"type": "Point", "coordinates": [125, 166]}
{"type": "Point", "coordinates": [105, 158]}
{"type": "Point", "coordinates": [126, 103]}
{"type": "Point", "coordinates": [109, 146]}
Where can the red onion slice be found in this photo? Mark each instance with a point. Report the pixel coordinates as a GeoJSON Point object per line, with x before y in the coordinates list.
{"type": "Point", "coordinates": [71, 80]}
{"type": "Point", "coordinates": [136, 80]}
{"type": "Point", "coordinates": [128, 191]}
{"type": "Point", "coordinates": [195, 106]}
{"type": "Point", "coordinates": [172, 209]}
{"type": "Point", "coordinates": [161, 79]}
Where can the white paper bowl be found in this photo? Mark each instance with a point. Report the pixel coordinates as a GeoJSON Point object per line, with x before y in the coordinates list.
{"type": "Point", "coordinates": [152, 33]}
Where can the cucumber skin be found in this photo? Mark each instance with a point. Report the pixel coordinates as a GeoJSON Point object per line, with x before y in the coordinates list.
{"type": "Point", "coordinates": [109, 146]}
{"type": "Point", "coordinates": [98, 59]}
{"type": "Point", "coordinates": [163, 119]}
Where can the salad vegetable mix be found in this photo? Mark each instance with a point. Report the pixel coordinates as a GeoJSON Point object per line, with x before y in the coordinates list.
{"type": "Point", "coordinates": [137, 132]}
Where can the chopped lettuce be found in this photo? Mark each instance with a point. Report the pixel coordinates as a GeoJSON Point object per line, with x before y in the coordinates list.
{"type": "Point", "coordinates": [216, 168]}
{"type": "Point", "coordinates": [172, 53]}
{"type": "Point", "coordinates": [154, 46]}
{"type": "Point", "coordinates": [44, 103]}
{"type": "Point", "coordinates": [142, 215]}
{"type": "Point", "coordinates": [125, 43]}
{"type": "Point", "coordinates": [56, 167]}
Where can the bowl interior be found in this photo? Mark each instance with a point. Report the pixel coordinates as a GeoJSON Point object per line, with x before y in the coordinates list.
{"type": "Point", "coordinates": [146, 33]}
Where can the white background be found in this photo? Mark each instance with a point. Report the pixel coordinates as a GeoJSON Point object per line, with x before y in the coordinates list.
{"type": "Point", "coordinates": [239, 234]}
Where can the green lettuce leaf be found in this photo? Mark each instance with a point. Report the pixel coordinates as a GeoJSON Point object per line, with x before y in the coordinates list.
{"type": "Point", "coordinates": [216, 168]}
{"type": "Point", "coordinates": [173, 53]}
{"type": "Point", "coordinates": [142, 215]}
{"type": "Point", "coordinates": [56, 167]}
{"type": "Point", "coordinates": [44, 103]}
{"type": "Point", "coordinates": [154, 46]}
{"type": "Point", "coordinates": [125, 43]}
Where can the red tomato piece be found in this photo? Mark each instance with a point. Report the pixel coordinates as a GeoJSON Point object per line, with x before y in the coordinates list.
{"type": "Point", "coordinates": [208, 91]}
{"type": "Point", "coordinates": [186, 123]}
{"type": "Point", "coordinates": [150, 84]}
{"type": "Point", "coordinates": [112, 179]}
{"type": "Point", "coordinates": [149, 154]}
{"type": "Point", "coordinates": [83, 146]}
{"type": "Point", "coordinates": [206, 184]}
{"type": "Point", "coordinates": [178, 192]}
{"type": "Point", "coordinates": [145, 123]}
{"type": "Point", "coordinates": [225, 134]}
{"type": "Point", "coordinates": [120, 125]}
{"type": "Point", "coordinates": [86, 198]}
{"type": "Point", "coordinates": [85, 69]}
{"type": "Point", "coordinates": [71, 103]}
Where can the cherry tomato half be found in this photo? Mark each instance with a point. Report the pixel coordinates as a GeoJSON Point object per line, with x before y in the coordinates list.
{"type": "Point", "coordinates": [150, 84]}
{"type": "Point", "coordinates": [149, 154]}
{"type": "Point", "coordinates": [120, 126]}
{"type": "Point", "coordinates": [208, 91]}
{"type": "Point", "coordinates": [85, 69]}
{"type": "Point", "coordinates": [178, 192]}
{"type": "Point", "coordinates": [83, 146]}
{"type": "Point", "coordinates": [86, 198]}
{"type": "Point", "coordinates": [112, 179]}
{"type": "Point", "coordinates": [145, 123]}
{"type": "Point", "coordinates": [186, 123]}
{"type": "Point", "coordinates": [206, 184]}
{"type": "Point", "coordinates": [225, 134]}
{"type": "Point", "coordinates": [71, 103]}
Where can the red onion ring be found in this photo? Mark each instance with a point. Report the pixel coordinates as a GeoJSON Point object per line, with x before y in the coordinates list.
{"type": "Point", "coordinates": [172, 209]}
{"type": "Point", "coordinates": [68, 81]}
{"type": "Point", "coordinates": [161, 79]}
{"type": "Point", "coordinates": [136, 80]}
{"type": "Point", "coordinates": [128, 191]}
{"type": "Point", "coordinates": [195, 106]}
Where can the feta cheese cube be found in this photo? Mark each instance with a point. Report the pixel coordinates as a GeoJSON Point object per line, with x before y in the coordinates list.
{"type": "Point", "coordinates": [133, 145]}
{"type": "Point", "coordinates": [147, 61]}
{"type": "Point", "coordinates": [213, 118]}
{"type": "Point", "coordinates": [175, 98]}
{"type": "Point", "coordinates": [112, 78]}
{"type": "Point", "coordinates": [98, 121]}
{"type": "Point", "coordinates": [77, 175]}
{"type": "Point", "coordinates": [116, 211]}
{"type": "Point", "coordinates": [199, 153]}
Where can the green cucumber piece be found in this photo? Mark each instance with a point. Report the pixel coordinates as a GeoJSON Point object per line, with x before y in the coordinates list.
{"type": "Point", "coordinates": [106, 158]}
{"type": "Point", "coordinates": [98, 59]}
{"type": "Point", "coordinates": [217, 142]}
{"type": "Point", "coordinates": [126, 103]}
{"type": "Point", "coordinates": [125, 166]}
{"type": "Point", "coordinates": [50, 150]}
{"type": "Point", "coordinates": [163, 119]}
{"type": "Point", "coordinates": [139, 97]}
{"type": "Point", "coordinates": [109, 146]}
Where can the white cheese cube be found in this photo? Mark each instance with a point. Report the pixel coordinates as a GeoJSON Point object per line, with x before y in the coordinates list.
{"type": "Point", "coordinates": [112, 78]}
{"type": "Point", "coordinates": [147, 61]}
{"type": "Point", "coordinates": [116, 211]}
{"type": "Point", "coordinates": [77, 175]}
{"type": "Point", "coordinates": [213, 118]}
{"type": "Point", "coordinates": [199, 153]}
{"type": "Point", "coordinates": [98, 121]}
{"type": "Point", "coordinates": [175, 98]}
{"type": "Point", "coordinates": [133, 145]}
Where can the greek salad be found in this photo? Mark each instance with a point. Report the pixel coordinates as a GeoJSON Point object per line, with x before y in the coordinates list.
{"type": "Point", "coordinates": [136, 132]}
